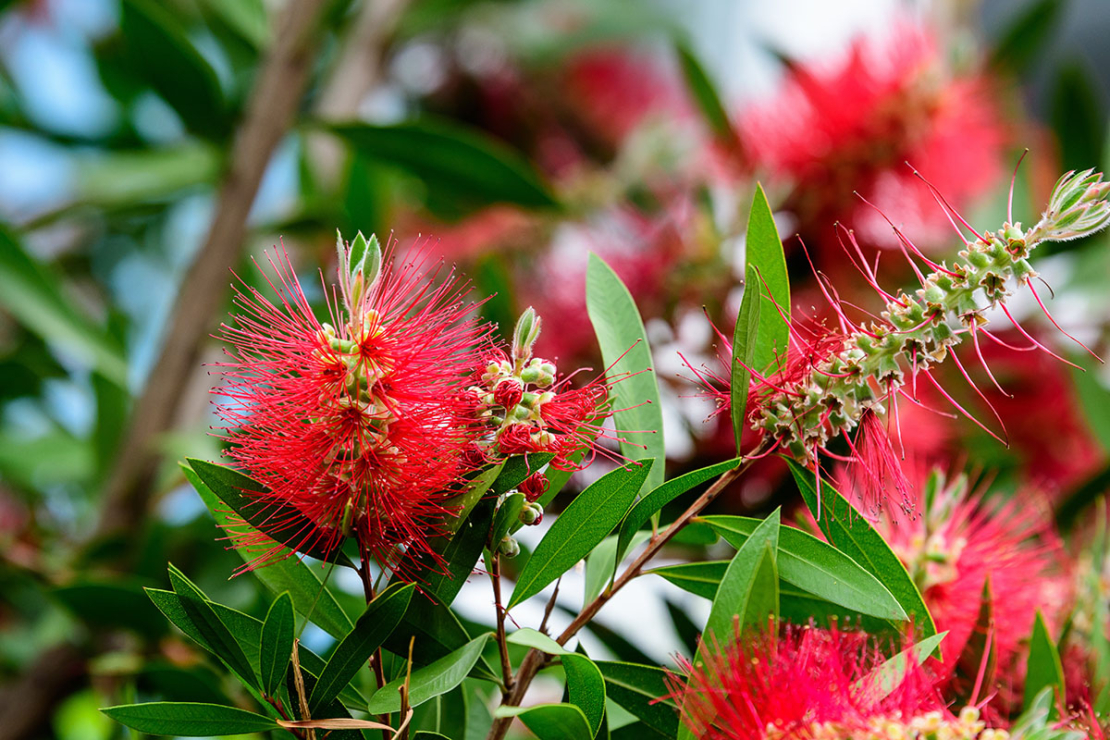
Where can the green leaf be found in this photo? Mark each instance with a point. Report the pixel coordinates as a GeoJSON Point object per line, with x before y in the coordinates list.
{"type": "Point", "coordinates": [662, 496]}
{"type": "Point", "coordinates": [625, 350]}
{"type": "Point", "coordinates": [464, 168]}
{"type": "Point", "coordinates": [764, 252]}
{"type": "Point", "coordinates": [460, 553]}
{"type": "Point", "coordinates": [121, 180]}
{"type": "Point", "coordinates": [467, 500]}
{"type": "Point", "coordinates": [581, 527]}
{"type": "Point", "coordinates": [851, 533]}
{"type": "Point", "coordinates": [235, 489]}
{"type": "Point", "coordinates": [585, 688]}
{"type": "Point", "coordinates": [762, 607]}
{"type": "Point", "coordinates": [1023, 40]}
{"type": "Point", "coordinates": [814, 566]}
{"type": "Point", "coordinates": [705, 94]}
{"type": "Point", "coordinates": [247, 18]}
{"type": "Point", "coordinates": [160, 51]}
{"type": "Point", "coordinates": [311, 597]}
{"type": "Point", "coordinates": [276, 643]}
{"type": "Point", "coordinates": [31, 293]}
{"type": "Point", "coordinates": [736, 589]}
{"type": "Point", "coordinates": [880, 682]}
{"type": "Point", "coordinates": [219, 638]}
{"type": "Point", "coordinates": [187, 719]}
{"type": "Point", "coordinates": [1044, 669]}
{"type": "Point", "coordinates": [507, 514]}
{"type": "Point", "coordinates": [601, 564]}
{"type": "Point", "coordinates": [551, 721]}
{"type": "Point", "coordinates": [437, 630]}
{"type": "Point", "coordinates": [700, 579]}
{"type": "Point", "coordinates": [431, 680]}
{"type": "Point", "coordinates": [639, 689]}
{"type": "Point", "coordinates": [529, 637]}
{"type": "Point", "coordinates": [114, 602]}
{"type": "Point", "coordinates": [382, 615]}
{"type": "Point", "coordinates": [516, 469]}
{"type": "Point", "coordinates": [1094, 400]}
{"type": "Point", "coordinates": [745, 340]}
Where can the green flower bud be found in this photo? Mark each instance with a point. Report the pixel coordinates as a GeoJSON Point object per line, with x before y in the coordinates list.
{"type": "Point", "coordinates": [508, 547]}
{"type": "Point", "coordinates": [525, 334]}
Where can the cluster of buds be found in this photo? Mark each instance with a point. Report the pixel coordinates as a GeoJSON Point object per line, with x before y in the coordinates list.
{"type": "Point", "coordinates": [861, 369]}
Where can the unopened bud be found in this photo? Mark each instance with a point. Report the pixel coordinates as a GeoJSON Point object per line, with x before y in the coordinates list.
{"type": "Point", "coordinates": [1078, 208]}
{"type": "Point", "coordinates": [508, 547]}
{"type": "Point", "coordinates": [508, 392]}
{"type": "Point", "coordinates": [525, 334]}
{"type": "Point", "coordinates": [531, 514]}
{"type": "Point", "coordinates": [364, 265]}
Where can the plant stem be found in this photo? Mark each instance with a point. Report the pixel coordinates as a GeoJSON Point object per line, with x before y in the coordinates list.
{"type": "Point", "coordinates": [534, 660]}
{"type": "Point", "coordinates": [506, 667]}
{"type": "Point", "coordinates": [376, 658]}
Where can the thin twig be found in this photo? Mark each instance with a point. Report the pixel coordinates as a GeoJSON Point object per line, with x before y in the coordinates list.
{"type": "Point", "coordinates": [494, 568]}
{"type": "Point", "coordinates": [534, 660]}
{"type": "Point", "coordinates": [550, 605]}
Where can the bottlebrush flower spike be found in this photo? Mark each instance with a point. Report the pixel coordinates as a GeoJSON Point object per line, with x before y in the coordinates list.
{"type": "Point", "coordinates": [363, 424]}
{"type": "Point", "coordinates": [812, 684]}
{"type": "Point", "coordinates": [526, 409]}
{"type": "Point", "coordinates": [837, 381]}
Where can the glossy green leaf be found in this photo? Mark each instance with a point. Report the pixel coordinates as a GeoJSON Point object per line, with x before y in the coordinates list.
{"type": "Point", "coordinates": [585, 688]}
{"type": "Point", "coordinates": [235, 489]}
{"type": "Point", "coordinates": [551, 721]}
{"type": "Point", "coordinates": [437, 630]}
{"type": "Point", "coordinates": [1044, 669]}
{"type": "Point", "coordinates": [698, 578]}
{"type": "Point", "coordinates": [761, 610]}
{"type": "Point", "coordinates": [286, 572]}
{"type": "Point", "coordinates": [765, 254]}
{"type": "Point", "coordinates": [459, 552]}
{"type": "Point", "coordinates": [851, 533]}
{"type": "Point", "coordinates": [431, 680]}
{"type": "Point", "coordinates": [31, 293]}
{"type": "Point", "coordinates": [382, 615]}
{"type": "Point", "coordinates": [817, 567]}
{"type": "Point", "coordinates": [878, 684]}
{"type": "Point", "coordinates": [639, 689]}
{"type": "Point", "coordinates": [745, 342]}
{"type": "Point", "coordinates": [625, 350]}
{"type": "Point", "coordinates": [529, 637]}
{"type": "Point", "coordinates": [662, 496]}
{"type": "Point", "coordinates": [223, 643]}
{"type": "Point", "coordinates": [465, 502]}
{"type": "Point", "coordinates": [735, 591]}
{"type": "Point", "coordinates": [705, 94]}
{"type": "Point", "coordinates": [187, 719]}
{"type": "Point", "coordinates": [581, 527]}
{"type": "Point", "coordinates": [464, 166]}
{"type": "Point", "coordinates": [276, 643]}
{"type": "Point", "coordinates": [162, 53]}
{"type": "Point", "coordinates": [601, 564]}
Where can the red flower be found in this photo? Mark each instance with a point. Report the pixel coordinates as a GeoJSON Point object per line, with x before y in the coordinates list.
{"type": "Point", "coordinates": [836, 129]}
{"type": "Point", "coordinates": [804, 683]}
{"type": "Point", "coordinates": [956, 541]}
{"type": "Point", "coordinates": [364, 428]}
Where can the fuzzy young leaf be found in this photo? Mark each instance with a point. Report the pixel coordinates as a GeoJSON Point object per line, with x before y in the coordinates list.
{"type": "Point", "coordinates": [551, 721]}
{"type": "Point", "coordinates": [764, 252]}
{"type": "Point", "coordinates": [851, 533]}
{"type": "Point", "coordinates": [584, 524]}
{"type": "Point", "coordinates": [276, 643]}
{"type": "Point", "coordinates": [382, 615]}
{"type": "Point", "coordinates": [189, 719]}
{"type": "Point", "coordinates": [625, 349]}
{"type": "Point", "coordinates": [1044, 669]}
{"type": "Point", "coordinates": [745, 343]}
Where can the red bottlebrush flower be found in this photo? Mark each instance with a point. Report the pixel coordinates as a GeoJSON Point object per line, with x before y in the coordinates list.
{"type": "Point", "coordinates": [957, 541]}
{"type": "Point", "coordinates": [850, 126]}
{"type": "Point", "coordinates": [364, 428]}
{"type": "Point", "coordinates": [804, 683]}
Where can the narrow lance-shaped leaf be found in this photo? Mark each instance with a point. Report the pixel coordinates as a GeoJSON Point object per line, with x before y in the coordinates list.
{"type": "Point", "coordinates": [764, 252]}
{"type": "Point", "coordinates": [431, 680]}
{"type": "Point", "coordinates": [705, 95]}
{"type": "Point", "coordinates": [624, 347]}
{"type": "Point", "coordinates": [276, 645]}
{"type": "Point", "coordinates": [585, 688]}
{"type": "Point", "coordinates": [851, 533]}
{"type": "Point", "coordinates": [880, 682]}
{"type": "Point", "coordinates": [745, 338]}
{"type": "Point", "coordinates": [219, 638]}
{"type": "Point", "coordinates": [189, 719]}
{"type": "Point", "coordinates": [550, 721]}
{"type": "Point", "coordinates": [638, 689]}
{"type": "Point", "coordinates": [1044, 669]}
{"type": "Point", "coordinates": [584, 524]}
{"type": "Point", "coordinates": [382, 615]}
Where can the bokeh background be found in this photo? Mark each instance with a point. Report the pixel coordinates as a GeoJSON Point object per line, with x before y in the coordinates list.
{"type": "Point", "coordinates": [149, 147]}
